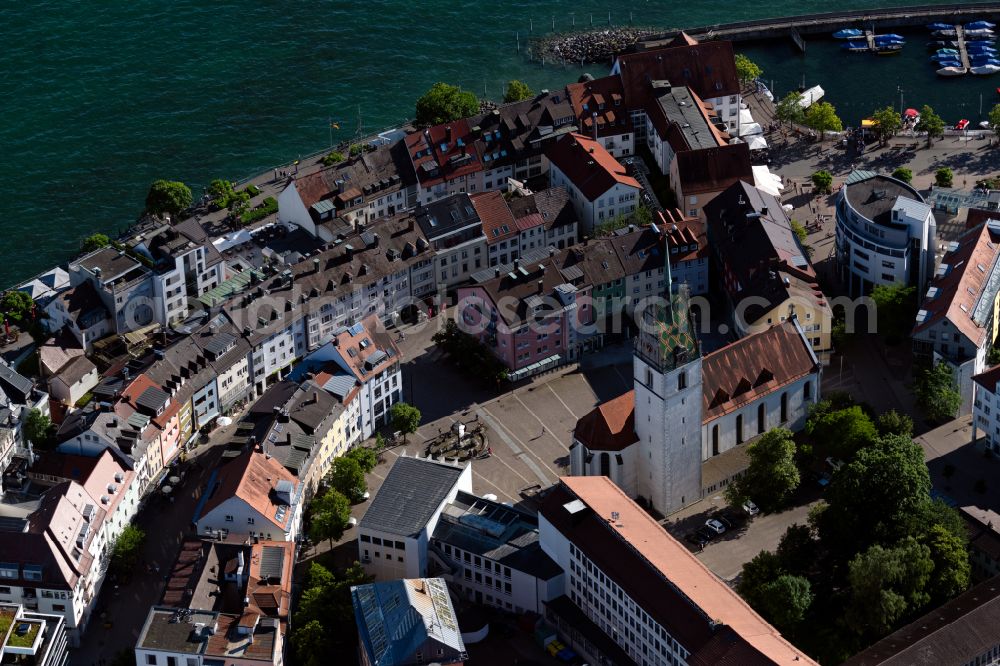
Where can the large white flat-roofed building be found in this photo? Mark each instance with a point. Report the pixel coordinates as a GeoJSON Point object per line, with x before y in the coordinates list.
{"type": "Point", "coordinates": [633, 594]}
{"type": "Point", "coordinates": [885, 234]}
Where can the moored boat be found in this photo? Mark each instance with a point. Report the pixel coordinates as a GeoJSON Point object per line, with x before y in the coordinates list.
{"type": "Point", "coordinates": [951, 71]}
{"type": "Point", "coordinates": [848, 33]}
{"type": "Point", "coordinates": [979, 25]}
{"type": "Point", "coordinates": [940, 26]}
{"type": "Point", "coordinates": [982, 70]}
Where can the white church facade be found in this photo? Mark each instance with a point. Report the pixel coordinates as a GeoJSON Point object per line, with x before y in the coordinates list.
{"type": "Point", "coordinates": [660, 441]}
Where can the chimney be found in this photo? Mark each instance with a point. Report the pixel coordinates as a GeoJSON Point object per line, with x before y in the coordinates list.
{"type": "Point", "coordinates": [496, 272]}
{"type": "Point", "coordinates": [541, 287]}
{"type": "Point", "coordinates": [517, 264]}
{"type": "Point", "coordinates": [315, 397]}
{"type": "Point", "coordinates": [593, 118]}
{"type": "Point", "coordinates": [552, 251]}
{"type": "Point", "coordinates": [447, 134]}
{"type": "Point", "coordinates": [315, 264]}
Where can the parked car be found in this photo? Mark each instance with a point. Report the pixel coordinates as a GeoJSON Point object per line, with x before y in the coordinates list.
{"type": "Point", "coordinates": [722, 518]}
{"type": "Point", "coordinates": [834, 463]}
{"type": "Point", "coordinates": [715, 526]}
{"type": "Point", "coordinates": [750, 508]}
{"type": "Point", "coordinates": [706, 533]}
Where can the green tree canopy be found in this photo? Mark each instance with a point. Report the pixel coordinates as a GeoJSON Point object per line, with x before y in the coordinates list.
{"type": "Point", "coordinates": [896, 306]}
{"type": "Point", "coordinates": [347, 477]}
{"type": "Point", "coordinates": [367, 458]}
{"type": "Point", "coordinates": [887, 584]}
{"type": "Point", "coordinates": [17, 305]}
{"type": "Point", "coordinates": [822, 117]}
{"type": "Point", "coordinates": [747, 70]}
{"type": "Point", "coordinates": [324, 616]}
{"type": "Point", "coordinates": [894, 423]}
{"type": "Point", "coordinates": [94, 242]}
{"type": "Point", "coordinates": [823, 181]}
{"type": "Point", "coordinates": [785, 600]}
{"type": "Point", "coordinates": [936, 394]}
{"type": "Point", "coordinates": [887, 122]}
{"type": "Point", "coordinates": [798, 549]}
{"type": "Point", "coordinates": [931, 123]}
{"type": "Point", "coordinates": [903, 174]}
{"type": "Point", "coordinates": [37, 427]}
{"type": "Point", "coordinates": [444, 103]}
{"type": "Point", "coordinates": [871, 498]}
{"type": "Point", "coordinates": [125, 555]}
{"type": "Point", "coordinates": [405, 418]}
{"type": "Point", "coordinates": [764, 568]}
{"type": "Point", "coordinates": [951, 563]}
{"type": "Point", "coordinates": [995, 118]}
{"type": "Point", "coordinates": [772, 476]}
{"type": "Point", "coordinates": [517, 91]}
{"type": "Point", "coordinates": [334, 157]}
{"type": "Point", "coordinates": [330, 513]}
{"type": "Point", "coordinates": [789, 109]}
{"type": "Point", "coordinates": [944, 177]}
{"type": "Point", "coordinates": [167, 196]}
{"type": "Point", "coordinates": [842, 432]}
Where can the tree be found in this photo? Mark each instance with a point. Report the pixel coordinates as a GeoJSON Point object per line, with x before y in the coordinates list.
{"type": "Point", "coordinates": [747, 70]}
{"type": "Point", "coordinates": [842, 432]}
{"type": "Point", "coordinates": [220, 191]}
{"type": "Point", "coordinates": [125, 555]}
{"type": "Point", "coordinates": [517, 91]}
{"type": "Point", "coordinates": [822, 117]}
{"type": "Point", "coordinates": [764, 568]}
{"type": "Point", "coordinates": [367, 458]}
{"type": "Point", "coordinates": [887, 584]}
{"type": "Point", "coordinates": [444, 103]}
{"type": "Point", "coordinates": [17, 305]}
{"type": "Point", "coordinates": [772, 476]}
{"type": "Point", "coordinates": [951, 563]}
{"type": "Point", "coordinates": [896, 307]}
{"type": "Point", "coordinates": [405, 418]}
{"type": "Point", "coordinates": [936, 394]}
{"type": "Point", "coordinates": [931, 123]}
{"type": "Point", "coordinates": [798, 549]}
{"type": "Point", "coordinates": [346, 476]}
{"type": "Point", "coordinates": [903, 174]}
{"type": "Point", "coordinates": [894, 423]}
{"type": "Point", "coordinates": [872, 497]}
{"type": "Point", "coordinates": [944, 177]}
{"type": "Point", "coordinates": [789, 109]}
{"type": "Point", "coordinates": [886, 122]}
{"type": "Point", "coordinates": [785, 600]}
{"type": "Point", "coordinates": [312, 644]}
{"type": "Point", "coordinates": [995, 118]}
{"type": "Point", "coordinates": [823, 181]}
{"type": "Point", "coordinates": [37, 427]}
{"type": "Point", "coordinates": [324, 615]}
{"type": "Point", "coordinates": [94, 242]}
{"type": "Point", "coordinates": [330, 514]}
{"type": "Point", "coordinates": [332, 158]}
{"type": "Point", "coordinates": [167, 196]}
{"type": "Point", "coordinates": [799, 231]}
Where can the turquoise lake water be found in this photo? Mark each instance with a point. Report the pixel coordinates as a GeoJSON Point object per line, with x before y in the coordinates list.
{"type": "Point", "coordinates": [100, 99]}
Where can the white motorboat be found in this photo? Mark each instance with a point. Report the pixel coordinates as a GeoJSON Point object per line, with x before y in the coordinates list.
{"type": "Point", "coordinates": [985, 69]}
{"type": "Point", "coordinates": [951, 71]}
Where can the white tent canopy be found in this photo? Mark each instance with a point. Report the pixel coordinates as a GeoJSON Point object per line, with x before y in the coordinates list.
{"type": "Point", "coordinates": [745, 117]}
{"type": "Point", "coordinates": [751, 130]}
{"type": "Point", "coordinates": [767, 181]}
{"type": "Point", "coordinates": [757, 142]}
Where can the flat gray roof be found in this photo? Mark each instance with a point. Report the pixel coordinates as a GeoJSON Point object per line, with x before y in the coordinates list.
{"type": "Point", "coordinates": [680, 107]}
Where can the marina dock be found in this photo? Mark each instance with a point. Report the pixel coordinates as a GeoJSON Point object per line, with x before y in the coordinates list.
{"type": "Point", "coordinates": [870, 38]}
{"type": "Point", "coordinates": [963, 51]}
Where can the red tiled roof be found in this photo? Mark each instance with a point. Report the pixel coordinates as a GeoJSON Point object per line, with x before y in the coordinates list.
{"type": "Point", "coordinates": [610, 426]}
{"type": "Point", "coordinates": [498, 221]}
{"type": "Point", "coordinates": [683, 232]}
{"type": "Point", "coordinates": [377, 339]}
{"type": "Point", "coordinates": [604, 92]}
{"type": "Point", "coordinates": [437, 158]}
{"type": "Point", "coordinates": [962, 286]}
{"type": "Point", "coordinates": [588, 165]}
{"type": "Point", "coordinates": [529, 222]}
{"type": "Point", "coordinates": [660, 574]}
{"type": "Point", "coordinates": [754, 366]}
{"type": "Point", "coordinates": [708, 68]}
{"type": "Point", "coordinates": [251, 477]}
{"type": "Point", "coordinates": [988, 379]}
{"type": "Point", "coordinates": [713, 169]}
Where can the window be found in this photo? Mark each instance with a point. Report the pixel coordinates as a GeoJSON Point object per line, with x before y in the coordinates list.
{"type": "Point", "coordinates": [807, 391]}
{"type": "Point", "coordinates": [784, 407]}
{"type": "Point", "coordinates": [249, 521]}
{"type": "Point", "coordinates": [61, 608]}
{"type": "Point", "coordinates": [229, 519]}
{"type": "Point", "coordinates": [151, 659]}
{"type": "Point", "coordinates": [682, 381]}
{"type": "Point", "coordinates": [739, 428]}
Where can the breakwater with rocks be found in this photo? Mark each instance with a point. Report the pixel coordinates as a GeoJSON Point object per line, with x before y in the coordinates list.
{"type": "Point", "coordinates": [591, 46]}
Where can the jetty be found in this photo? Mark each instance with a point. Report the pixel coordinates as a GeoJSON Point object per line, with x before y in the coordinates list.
{"type": "Point", "coordinates": [798, 27]}
{"type": "Point", "coordinates": [870, 38]}
{"type": "Point", "coordinates": [963, 51]}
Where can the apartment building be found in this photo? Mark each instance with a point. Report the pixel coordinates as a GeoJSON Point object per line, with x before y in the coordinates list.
{"type": "Point", "coordinates": [32, 638]}
{"type": "Point", "coordinates": [455, 232]}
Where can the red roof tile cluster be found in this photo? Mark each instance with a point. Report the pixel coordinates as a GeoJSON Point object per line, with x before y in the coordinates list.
{"type": "Point", "coordinates": [443, 152]}
{"type": "Point", "coordinates": [751, 367]}
{"type": "Point", "coordinates": [600, 100]}
{"type": "Point", "coordinates": [498, 222]}
{"type": "Point", "coordinates": [610, 426]}
{"type": "Point", "coordinates": [707, 68]}
{"type": "Point", "coordinates": [714, 169]}
{"type": "Point", "coordinates": [687, 234]}
{"type": "Point", "coordinates": [958, 290]}
{"type": "Point", "coordinates": [588, 165]}
{"type": "Point", "coordinates": [251, 477]}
